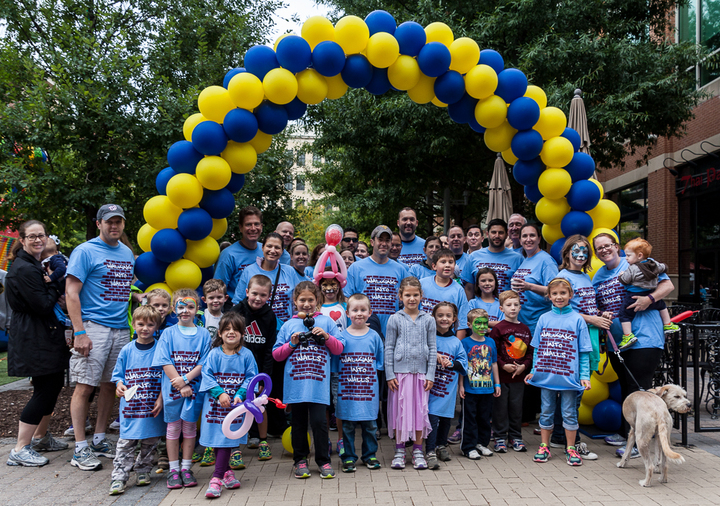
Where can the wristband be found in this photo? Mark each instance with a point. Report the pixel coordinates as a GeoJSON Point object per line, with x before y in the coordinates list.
{"type": "Point", "coordinates": [293, 346]}
{"type": "Point", "coordinates": [497, 385]}
{"type": "Point", "coordinates": [185, 379]}
{"type": "Point", "coordinates": [80, 333]}
{"type": "Point", "coordinates": [651, 298]}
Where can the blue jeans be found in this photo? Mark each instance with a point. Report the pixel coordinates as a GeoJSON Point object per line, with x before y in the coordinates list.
{"type": "Point", "coordinates": [369, 439]}
{"type": "Point", "coordinates": [439, 435]}
{"type": "Point", "coordinates": [568, 406]}
{"type": "Point", "coordinates": [558, 432]}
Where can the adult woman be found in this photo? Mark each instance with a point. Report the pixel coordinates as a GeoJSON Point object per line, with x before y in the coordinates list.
{"type": "Point", "coordinates": [644, 356]}
{"type": "Point", "coordinates": [348, 257]}
{"type": "Point", "coordinates": [316, 252]}
{"type": "Point", "coordinates": [36, 345]}
{"type": "Point", "coordinates": [299, 257]}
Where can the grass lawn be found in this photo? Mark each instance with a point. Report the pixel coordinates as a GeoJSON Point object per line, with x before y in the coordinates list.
{"type": "Point", "coordinates": [4, 378]}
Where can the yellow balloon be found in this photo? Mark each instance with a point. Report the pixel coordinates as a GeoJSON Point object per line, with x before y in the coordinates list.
{"type": "Point", "coordinates": [159, 286]}
{"type": "Point", "coordinates": [554, 183]}
{"type": "Point", "coordinates": [557, 152]}
{"type": "Point", "coordinates": [159, 212]}
{"type": "Point", "coordinates": [552, 233]}
{"type": "Point", "coordinates": [491, 112]}
{"type": "Point", "coordinates": [184, 190]}
{"type": "Point", "coordinates": [595, 265]}
{"type": "Point", "coordinates": [498, 139]}
{"type": "Point", "coordinates": [602, 190]}
{"type": "Point", "coordinates": [312, 86]}
{"type": "Point", "coordinates": [352, 34]}
{"type": "Point", "coordinates": [219, 228]}
{"type": "Point", "coordinates": [598, 392]}
{"type": "Point", "coordinates": [551, 211]}
{"type": "Point", "coordinates": [214, 103]}
{"type": "Point", "coordinates": [609, 375]}
{"type": "Point", "coordinates": [336, 87]}
{"type": "Point", "coordinates": [537, 94]}
{"type": "Point", "coordinates": [405, 73]}
{"type": "Point", "coordinates": [213, 172]}
{"type": "Point", "coordinates": [280, 86]}
{"type": "Point", "coordinates": [382, 50]}
{"type": "Point", "coordinates": [144, 236]}
{"type": "Point", "coordinates": [240, 156]}
{"type": "Point", "coordinates": [509, 156]}
{"type": "Point", "coordinates": [438, 103]}
{"type": "Point", "coordinates": [481, 81]}
{"type": "Point", "coordinates": [585, 414]}
{"type": "Point", "coordinates": [203, 253]}
{"type": "Point", "coordinates": [190, 123]}
{"type": "Point", "coordinates": [439, 32]}
{"type": "Point", "coordinates": [317, 29]}
{"type": "Point", "coordinates": [424, 91]}
{"type": "Point", "coordinates": [261, 142]}
{"type": "Point", "coordinates": [277, 41]}
{"type": "Point", "coordinates": [246, 90]}
{"type": "Point", "coordinates": [464, 53]}
{"type": "Point", "coordinates": [287, 440]}
{"type": "Point", "coordinates": [552, 123]}
{"type": "Point", "coordinates": [606, 214]}
{"type": "Point", "coordinates": [183, 274]}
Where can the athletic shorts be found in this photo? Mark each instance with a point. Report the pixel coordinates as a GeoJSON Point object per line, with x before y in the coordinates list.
{"type": "Point", "coordinates": [98, 366]}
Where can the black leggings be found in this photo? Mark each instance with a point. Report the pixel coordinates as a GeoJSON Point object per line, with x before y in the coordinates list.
{"type": "Point", "coordinates": [45, 394]}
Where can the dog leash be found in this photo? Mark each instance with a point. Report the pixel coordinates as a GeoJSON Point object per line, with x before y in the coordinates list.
{"type": "Point", "coordinates": [610, 338]}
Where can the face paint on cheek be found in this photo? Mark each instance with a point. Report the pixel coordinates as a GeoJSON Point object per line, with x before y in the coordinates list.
{"type": "Point", "coordinates": [480, 325]}
{"type": "Point", "coordinates": [182, 305]}
{"type": "Point", "coordinates": [579, 253]}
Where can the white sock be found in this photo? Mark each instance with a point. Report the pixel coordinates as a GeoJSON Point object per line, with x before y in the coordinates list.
{"type": "Point", "coordinates": [97, 438]}
{"type": "Point", "coordinates": [79, 445]}
{"type": "Point", "coordinates": [174, 465]}
{"type": "Point", "coordinates": [186, 464]}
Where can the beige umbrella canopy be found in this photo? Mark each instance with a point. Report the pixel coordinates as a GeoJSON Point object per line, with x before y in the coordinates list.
{"type": "Point", "coordinates": [500, 196]}
{"type": "Point", "coordinates": [578, 122]}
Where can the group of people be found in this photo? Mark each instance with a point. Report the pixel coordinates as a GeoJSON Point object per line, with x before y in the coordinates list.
{"type": "Point", "coordinates": [418, 323]}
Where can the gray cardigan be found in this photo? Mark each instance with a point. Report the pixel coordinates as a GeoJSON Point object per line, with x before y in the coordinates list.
{"type": "Point", "coordinates": [643, 275]}
{"type": "Point", "coordinates": [410, 346]}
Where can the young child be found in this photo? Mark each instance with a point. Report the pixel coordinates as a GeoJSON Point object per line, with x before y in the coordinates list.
{"type": "Point", "coordinates": [180, 353]}
{"type": "Point", "coordinates": [214, 295]}
{"type": "Point", "coordinates": [442, 287]}
{"type": "Point", "coordinates": [162, 302]}
{"type": "Point", "coordinates": [561, 367]}
{"type": "Point", "coordinates": [307, 376]}
{"type": "Point", "coordinates": [486, 295]}
{"type": "Point", "coordinates": [425, 268]}
{"type": "Point", "coordinates": [451, 363]}
{"type": "Point", "coordinates": [55, 263]}
{"type": "Point", "coordinates": [139, 420]}
{"type": "Point", "coordinates": [478, 388]}
{"type": "Point", "coordinates": [512, 339]}
{"type": "Point", "coordinates": [410, 358]}
{"type": "Point", "coordinates": [641, 279]}
{"type": "Point", "coordinates": [226, 373]}
{"type": "Point", "coordinates": [358, 393]}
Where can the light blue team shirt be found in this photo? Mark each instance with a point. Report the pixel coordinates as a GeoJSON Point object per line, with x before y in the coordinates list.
{"type": "Point", "coordinates": [231, 373]}
{"type": "Point", "coordinates": [420, 270]}
{"type": "Point", "coordinates": [282, 306]}
{"type": "Point", "coordinates": [460, 264]}
{"type": "Point", "coordinates": [433, 294]}
{"type": "Point", "coordinates": [647, 325]}
{"type": "Point", "coordinates": [134, 367]}
{"type": "Point", "coordinates": [480, 357]}
{"type": "Point", "coordinates": [285, 257]}
{"type": "Point", "coordinates": [232, 263]}
{"type": "Point", "coordinates": [184, 352]}
{"type": "Point", "coordinates": [444, 390]}
{"type": "Point", "coordinates": [412, 252]}
{"type": "Point", "coordinates": [380, 282]}
{"type": "Point", "coordinates": [106, 273]}
{"type": "Point", "coordinates": [539, 269]}
{"type": "Point", "coordinates": [584, 299]}
{"type": "Point", "coordinates": [492, 308]}
{"type": "Point", "coordinates": [358, 389]}
{"type": "Point", "coordinates": [504, 264]}
{"type": "Point", "coordinates": [307, 370]}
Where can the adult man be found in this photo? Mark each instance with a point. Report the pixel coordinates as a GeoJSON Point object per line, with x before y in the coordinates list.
{"type": "Point", "coordinates": [98, 281]}
{"type": "Point", "coordinates": [503, 261]}
{"type": "Point", "coordinates": [378, 277]}
{"type": "Point", "coordinates": [515, 223]}
{"type": "Point", "coordinates": [456, 242]}
{"type": "Point", "coordinates": [474, 238]}
{"type": "Point", "coordinates": [235, 258]}
{"type": "Point", "coordinates": [396, 247]}
{"type": "Point", "coordinates": [412, 245]}
{"type": "Point", "coordinates": [350, 239]}
{"type": "Point", "coordinates": [287, 232]}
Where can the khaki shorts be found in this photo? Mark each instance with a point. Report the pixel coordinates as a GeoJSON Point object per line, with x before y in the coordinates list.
{"type": "Point", "coordinates": [98, 366]}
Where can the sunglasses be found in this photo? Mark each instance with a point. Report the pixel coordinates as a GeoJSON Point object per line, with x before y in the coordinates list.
{"type": "Point", "coordinates": [350, 239]}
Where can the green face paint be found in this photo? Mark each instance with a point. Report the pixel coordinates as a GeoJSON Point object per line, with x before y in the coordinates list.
{"type": "Point", "coordinates": [480, 326]}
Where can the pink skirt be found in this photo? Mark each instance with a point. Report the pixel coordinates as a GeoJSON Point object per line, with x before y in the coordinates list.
{"type": "Point", "coordinates": [408, 408]}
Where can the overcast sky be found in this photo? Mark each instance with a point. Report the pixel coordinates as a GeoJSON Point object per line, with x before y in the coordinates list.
{"type": "Point", "coordinates": [303, 8]}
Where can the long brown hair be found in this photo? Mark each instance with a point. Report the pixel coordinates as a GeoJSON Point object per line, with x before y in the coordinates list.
{"type": "Point", "coordinates": [21, 232]}
{"type": "Point", "coordinates": [565, 252]}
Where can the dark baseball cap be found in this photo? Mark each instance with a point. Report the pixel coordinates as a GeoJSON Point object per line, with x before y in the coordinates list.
{"type": "Point", "coordinates": [110, 210]}
{"type": "Point", "coordinates": [380, 229]}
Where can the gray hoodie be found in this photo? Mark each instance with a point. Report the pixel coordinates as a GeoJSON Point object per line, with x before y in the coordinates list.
{"type": "Point", "coordinates": [410, 346]}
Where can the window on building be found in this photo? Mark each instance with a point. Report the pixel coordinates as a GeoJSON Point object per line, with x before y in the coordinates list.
{"type": "Point", "coordinates": [698, 22]}
{"type": "Point", "coordinates": [301, 159]}
{"type": "Point", "coordinates": [289, 182]}
{"type": "Point", "coordinates": [300, 182]}
{"type": "Point", "coordinates": [317, 159]}
{"type": "Point", "coordinates": [632, 202]}
{"type": "Point", "coordinates": [287, 204]}
{"type": "Point", "coordinates": [289, 158]}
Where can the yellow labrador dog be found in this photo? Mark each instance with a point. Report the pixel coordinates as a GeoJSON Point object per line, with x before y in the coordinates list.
{"type": "Point", "coordinates": [648, 414]}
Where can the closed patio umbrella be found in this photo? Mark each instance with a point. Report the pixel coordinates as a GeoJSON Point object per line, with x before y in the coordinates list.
{"type": "Point", "coordinates": [500, 196]}
{"type": "Point", "coordinates": [577, 120]}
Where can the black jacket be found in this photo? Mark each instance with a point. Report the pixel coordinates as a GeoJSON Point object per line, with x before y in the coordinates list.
{"type": "Point", "coordinates": [36, 339]}
{"type": "Point", "coordinates": [260, 333]}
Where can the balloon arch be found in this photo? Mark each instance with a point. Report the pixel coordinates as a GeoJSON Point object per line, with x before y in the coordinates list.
{"type": "Point", "coordinates": [236, 122]}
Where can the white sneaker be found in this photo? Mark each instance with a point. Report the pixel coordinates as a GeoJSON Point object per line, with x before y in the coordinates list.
{"type": "Point", "coordinates": [115, 425]}
{"type": "Point", "coordinates": [473, 455]}
{"type": "Point", "coordinates": [582, 449]}
{"type": "Point", "coordinates": [484, 451]}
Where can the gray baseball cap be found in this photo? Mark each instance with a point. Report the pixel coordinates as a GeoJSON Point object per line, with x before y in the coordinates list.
{"type": "Point", "coordinates": [110, 210]}
{"type": "Point", "coordinates": [381, 229]}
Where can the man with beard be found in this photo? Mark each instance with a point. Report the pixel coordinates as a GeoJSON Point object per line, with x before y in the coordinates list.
{"type": "Point", "coordinates": [235, 258]}
{"type": "Point", "coordinates": [350, 239]}
{"type": "Point", "coordinates": [412, 245]}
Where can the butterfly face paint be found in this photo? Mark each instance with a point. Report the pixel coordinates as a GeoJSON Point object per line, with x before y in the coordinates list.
{"type": "Point", "coordinates": [480, 326]}
{"type": "Point", "coordinates": [579, 253]}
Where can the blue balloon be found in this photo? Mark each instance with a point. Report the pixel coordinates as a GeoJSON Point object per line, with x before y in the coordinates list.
{"type": "Point", "coordinates": [523, 113]}
{"type": "Point", "coordinates": [380, 21]}
{"type": "Point", "coordinates": [576, 222]}
{"type": "Point", "coordinates": [272, 118]}
{"type": "Point", "coordinates": [582, 166]}
{"type": "Point", "coordinates": [512, 84]}
{"type": "Point", "coordinates": [463, 110]}
{"type": "Point", "coordinates": [195, 224]}
{"type": "Point", "coordinates": [140, 285]}
{"type": "Point", "coordinates": [237, 181]}
{"type": "Point", "coordinates": [218, 203]}
{"type": "Point", "coordinates": [492, 59]}
{"type": "Point", "coordinates": [149, 269]}
{"type": "Point", "coordinates": [615, 390]}
{"type": "Point", "coordinates": [209, 138]}
{"type": "Point", "coordinates": [527, 172]}
{"type": "Point", "coordinates": [532, 192]}
{"type": "Point", "coordinates": [475, 125]}
{"type": "Point", "coordinates": [259, 60]}
{"type": "Point", "coordinates": [434, 59]}
{"type": "Point", "coordinates": [411, 37]}
{"type": "Point", "coordinates": [379, 84]}
{"type": "Point", "coordinates": [584, 195]}
{"type": "Point", "coordinates": [574, 138]}
{"type": "Point", "coordinates": [232, 73]}
{"type": "Point", "coordinates": [168, 245]}
{"type": "Point", "coordinates": [208, 273]}
{"type": "Point", "coordinates": [240, 125]}
{"type": "Point", "coordinates": [527, 144]}
{"type": "Point", "coordinates": [295, 109]}
{"type": "Point", "coordinates": [357, 72]}
{"type": "Point", "coordinates": [328, 58]}
{"type": "Point", "coordinates": [183, 157]}
{"type": "Point", "coordinates": [450, 87]}
{"type": "Point", "coordinates": [607, 416]}
{"type": "Point", "coordinates": [556, 250]}
{"type": "Point", "coordinates": [294, 53]}
{"type": "Point", "coordinates": [162, 179]}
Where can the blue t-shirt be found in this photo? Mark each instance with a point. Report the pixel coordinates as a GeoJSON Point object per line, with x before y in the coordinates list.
{"type": "Point", "coordinates": [539, 269]}
{"type": "Point", "coordinates": [282, 306]}
{"type": "Point", "coordinates": [493, 309]}
{"type": "Point", "coordinates": [480, 356]}
{"type": "Point", "coordinates": [647, 325]}
{"type": "Point", "coordinates": [420, 270]}
{"type": "Point", "coordinates": [433, 294]}
{"type": "Point", "coordinates": [444, 390]}
{"type": "Point", "coordinates": [232, 263]}
{"type": "Point", "coordinates": [412, 252]}
{"type": "Point", "coordinates": [230, 372]}
{"type": "Point", "coordinates": [460, 264]}
{"type": "Point", "coordinates": [307, 370]}
{"type": "Point", "coordinates": [106, 273]}
{"type": "Point", "coordinates": [380, 282]}
{"type": "Point", "coordinates": [584, 299]}
{"type": "Point", "coordinates": [134, 367]}
{"type": "Point", "coordinates": [358, 393]}
{"type": "Point", "coordinates": [184, 353]}
{"type": "Point", "coordinates": [285, 257]}
{"type": "Point", "coordinates": [559, 339]}
{"type": "Point", "coordinates": [504, 264]}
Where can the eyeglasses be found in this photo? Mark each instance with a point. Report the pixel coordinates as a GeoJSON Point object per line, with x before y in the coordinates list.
{"type": "Point", "coordinates": [350, 239]}
{"type": "Point", "coordinates": [600, 249]}
{"type": "Point", "coordinates": [33, 238]}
